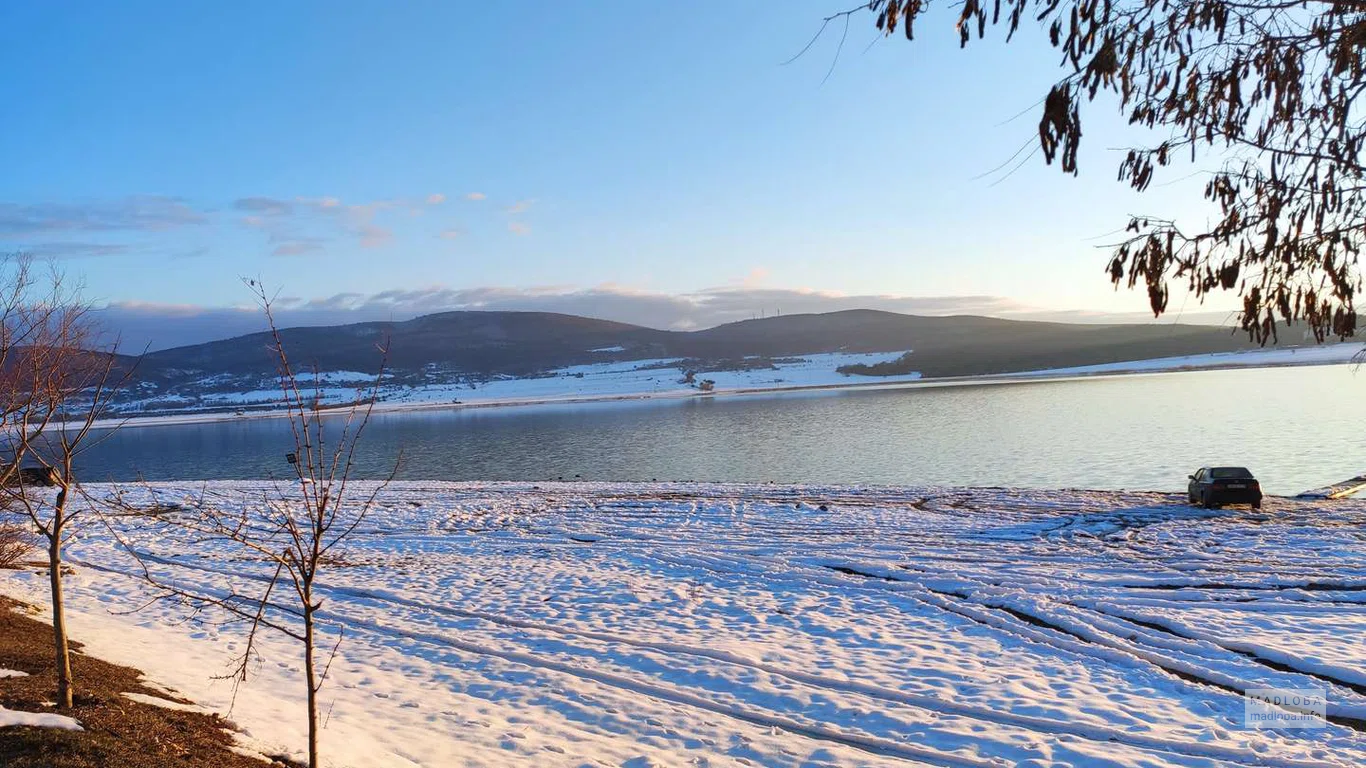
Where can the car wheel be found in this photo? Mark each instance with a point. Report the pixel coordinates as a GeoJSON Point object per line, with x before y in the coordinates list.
{"type": "Point", "coordinates": [1257, 504]}
{"type": "Point", "coordinates": [1209, 501]}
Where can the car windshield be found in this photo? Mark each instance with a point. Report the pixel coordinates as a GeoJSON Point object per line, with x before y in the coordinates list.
{"type": "Point", "coordinates": [1230, 473]}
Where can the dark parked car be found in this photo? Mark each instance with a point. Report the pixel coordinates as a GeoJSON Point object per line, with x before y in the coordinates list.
{"type": "Point", "coordinates": [1213, 487]}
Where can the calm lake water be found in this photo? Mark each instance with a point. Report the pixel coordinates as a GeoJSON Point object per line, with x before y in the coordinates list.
{"type": "Point", "coordinates": [1296, 428]}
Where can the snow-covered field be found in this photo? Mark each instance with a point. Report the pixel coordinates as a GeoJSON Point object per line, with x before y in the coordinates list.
{"type": "Point", "coordinates": [1327, 354]}
{"type": "Point", "coordinates": [625, 378]}
{"type": "Point", "coordinates": [681, 625]}
{"type": "Point", "coordinates": [653, 377]}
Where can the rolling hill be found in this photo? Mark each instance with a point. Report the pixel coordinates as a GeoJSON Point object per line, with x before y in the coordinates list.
{"type": "Point", "coordinates": [466, 348]}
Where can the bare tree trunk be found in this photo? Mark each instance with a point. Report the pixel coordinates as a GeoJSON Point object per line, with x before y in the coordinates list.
{"type": "Point", "coordinates": [54, 563]}
{"type": "Point", "coordinates": [311, 674]}
{"type": "Point", "coordinates": [56, 382]}
{"type": "Point", "coordinates": [294, 532]}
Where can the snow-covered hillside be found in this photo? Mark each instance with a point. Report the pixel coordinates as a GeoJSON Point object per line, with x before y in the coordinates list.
{"type": "Point", "coordinates": [1327, 354]}
{"type": "Point", "coordinates": [653, 377]}
{"type": "Point", "coordinates": [682, 625]}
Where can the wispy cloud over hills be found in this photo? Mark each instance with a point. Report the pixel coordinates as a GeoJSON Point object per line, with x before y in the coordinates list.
{"type": "Point", "coordinates": [139, 213]}
{"type": "Point", "coordinates": [305, 225]}
{"type": "Point", "coordinates": [682, 311]}
{"type": "Point", "coordinates": [298, 246]}
{"type": "Point", "coordinates": [281, 226]}
{"type": "Point", "coordinates": [161, 326]}
{"type": "Point", "coordinates": [100, 228]}
{"type": "Point", "coordinates": [75, 250]}
{"type": "Point", "coordinates": [265, 206]}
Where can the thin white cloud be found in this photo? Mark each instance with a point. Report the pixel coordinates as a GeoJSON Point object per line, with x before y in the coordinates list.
{"type": "Point", "coordinates": [320, 203]}
{"type": "Point", "coordinates": [519, 228]}
{"type": "Point", "coordinates": [74, 250]}
{"type": "Point", "coordinates": [372, 236]}
{"type": "Point", "coordinates": [140, 213]}
{"type": "Point", "coordinates": [451, 234]}
{"type": "Point", "coordinates": [288, 226]}
{"type": "Point", "coordinates": [264, 206]}
{"type": "Point", "coordinates": [755, 277]}
{"type": "Point", "coordinates": [298, 247]}
{"type": "Point", "coordinates": [521, 206]}
{"type": "Point", "coordinates": [303, 225]}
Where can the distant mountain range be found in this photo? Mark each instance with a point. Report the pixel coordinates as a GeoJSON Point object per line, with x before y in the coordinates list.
{"type": "Point", "coordinates": [471, 347]}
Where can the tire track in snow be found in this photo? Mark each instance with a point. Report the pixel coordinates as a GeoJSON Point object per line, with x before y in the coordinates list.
{"type": "Point", "coordinates": [1280, 666]}
{"type": "Point", "coordinates": [1029, 626]}
{"type": "Point", "coordinates": [920, 701]}
{"type": "Point", "coordinates": [1099, 637]}
{"type": "Point", "coordinates": [865, 743]}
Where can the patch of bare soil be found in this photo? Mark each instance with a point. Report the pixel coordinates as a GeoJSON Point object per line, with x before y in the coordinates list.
{"type": "Point", "coordinates": [118, 731]}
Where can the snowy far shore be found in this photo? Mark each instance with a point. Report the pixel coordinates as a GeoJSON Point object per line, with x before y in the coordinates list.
{"type": "Point", "coordinates": [687, 624]}
{"type": "Point", "coordinates": [651, 379]}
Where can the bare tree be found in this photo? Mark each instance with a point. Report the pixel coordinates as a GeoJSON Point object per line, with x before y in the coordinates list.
{"type": "Point", "coordinates": [57, 383]}
{"type": "Point", "coordinates": [34, 304]}
{"type": "Point", "coordinates": [1267, 90]}
{"type": "Point", "coordinates": [295, 528]}
{"type": "Point", "coordinates": [16, 543]}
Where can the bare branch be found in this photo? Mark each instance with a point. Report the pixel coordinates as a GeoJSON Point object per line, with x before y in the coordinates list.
{"type": "Point", "coordinates": [294, 528]}
{"type": "Point", "coordinates": [1267, 89]}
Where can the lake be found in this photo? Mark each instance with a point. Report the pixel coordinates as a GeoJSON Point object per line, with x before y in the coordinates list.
{"type": "Point", "coordinates": [1296, 428]}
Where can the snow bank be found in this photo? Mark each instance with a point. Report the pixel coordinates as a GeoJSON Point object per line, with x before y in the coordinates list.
{"type": "Point", "coordinates": [157, 701]}
{"type": "Point", "coordinates": [10, 718]}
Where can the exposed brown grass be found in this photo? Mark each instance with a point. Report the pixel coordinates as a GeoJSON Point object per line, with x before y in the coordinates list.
{"type": "Point", "coordinates": [118, 731]}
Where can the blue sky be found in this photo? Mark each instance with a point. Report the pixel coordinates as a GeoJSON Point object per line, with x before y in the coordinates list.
{"type": "Point", "coordinates": [425, 151]}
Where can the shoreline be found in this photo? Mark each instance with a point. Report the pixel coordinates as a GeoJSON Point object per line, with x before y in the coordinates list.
{"type": "Point", "coordinates": [981, 380]}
